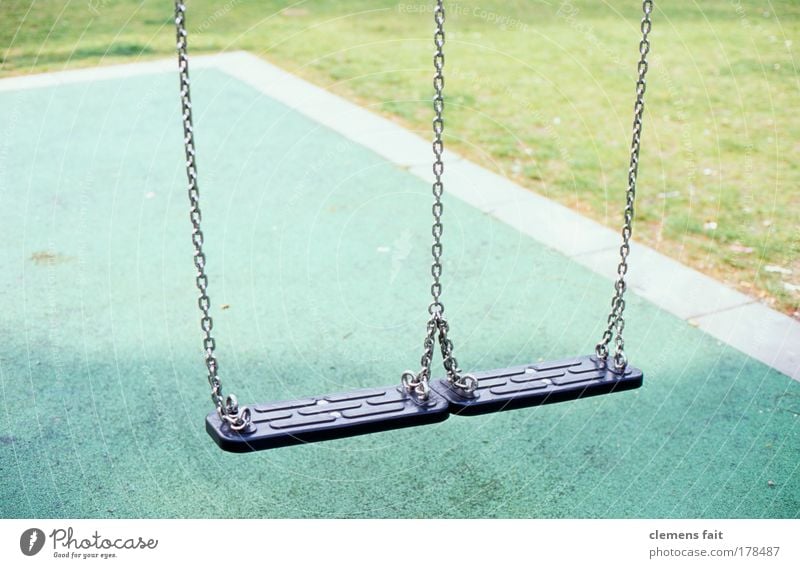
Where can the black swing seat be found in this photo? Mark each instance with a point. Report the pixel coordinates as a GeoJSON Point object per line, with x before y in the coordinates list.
{"type": "Point", "coordinates": [538, 383]}
{"type": "Point", "coordinates": [316, 419]}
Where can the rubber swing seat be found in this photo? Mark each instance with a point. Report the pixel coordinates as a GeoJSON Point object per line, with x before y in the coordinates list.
{"type": "Point", "coordinates": [316, 419]}
{"type": "Point", "coordinates": [537, 384]}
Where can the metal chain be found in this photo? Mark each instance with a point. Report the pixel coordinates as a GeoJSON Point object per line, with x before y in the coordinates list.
{"type": "Point", "coordinates": [465, 382]}
{"type": "Point", "coordinates": [616, 321]}
{"type": "Point", "coordinates": [418, 383]}
{"type": "Point", "coordinates": [437, 208]}
{"type": "Point", "coordinates": [227, 407]}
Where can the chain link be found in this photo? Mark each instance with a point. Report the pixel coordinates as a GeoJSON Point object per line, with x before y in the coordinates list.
{"type": "Point", "coordinates": [418, 383]}
{"type": "Point", "coordinates": [616, 321]}
{"type": "Point", "coordinates": [227, 407]}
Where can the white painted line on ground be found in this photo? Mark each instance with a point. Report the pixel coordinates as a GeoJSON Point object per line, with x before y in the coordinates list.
{"type": "Point", "coordinates": [691, 295]}
{"type": "Point", "coordinates": [768, 335]}
{"type": "Point", "coordinates": [382, 136]}
{"type": "Point", "coordinates": [730, 316]}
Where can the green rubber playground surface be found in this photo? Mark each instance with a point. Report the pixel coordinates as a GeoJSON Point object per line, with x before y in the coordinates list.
{"type": "Point", "coordinates": [318, 252]}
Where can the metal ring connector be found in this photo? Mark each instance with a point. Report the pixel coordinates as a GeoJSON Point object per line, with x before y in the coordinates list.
{"type": "Point", "coordinates": [407, 379]}
{"type": "Point", "coordinates": [415, 385]}
{"type": "Point", "coordinates": [620, 360]}
{"type": "Point", "coordinates": [238, 421]}
{"type": "Point", "coordinates": [467, 383]}
{"type": "Point", "coordinates": [241, 421]}
{"type": "Point", "coordinates": [230, 413]}
{"type": "Point", "coordinates": [423, 390]}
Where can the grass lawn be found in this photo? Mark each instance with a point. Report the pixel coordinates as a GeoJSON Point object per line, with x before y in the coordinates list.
{"type": "Point", "coordinates": [539, 90]}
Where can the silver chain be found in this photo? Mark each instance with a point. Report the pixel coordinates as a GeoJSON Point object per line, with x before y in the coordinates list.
{"type": "Point", "coordinates": [438, 166]}
{"type": "Point", "coordinates": [616, 321]}
{"type": "Point", "coordinates": [227, 407]}
{"type": "Point", "coordinates": [418, 383]}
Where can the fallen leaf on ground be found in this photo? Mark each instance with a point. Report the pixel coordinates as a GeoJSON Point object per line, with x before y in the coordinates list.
{"type": "Point", "coordinates": [736, 247]}
{"type": "Point", "coordinates": [777, 269]}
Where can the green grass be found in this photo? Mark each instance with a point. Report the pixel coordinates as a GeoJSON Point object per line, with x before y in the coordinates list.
{"type": "Point", "coordinates": [544, 98]}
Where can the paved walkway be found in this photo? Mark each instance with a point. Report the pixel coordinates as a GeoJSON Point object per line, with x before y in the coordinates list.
{"type": "Point", "coordinates": [317, 228]}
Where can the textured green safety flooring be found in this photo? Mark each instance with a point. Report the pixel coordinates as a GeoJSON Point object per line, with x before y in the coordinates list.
{"type": "Point", "coordinates": [319, 250]}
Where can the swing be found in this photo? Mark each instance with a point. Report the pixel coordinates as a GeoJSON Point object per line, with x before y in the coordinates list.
{"type": "Point", "coordinates": [417, 399]}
